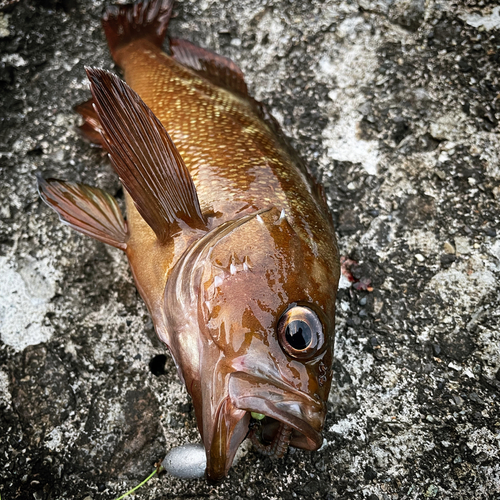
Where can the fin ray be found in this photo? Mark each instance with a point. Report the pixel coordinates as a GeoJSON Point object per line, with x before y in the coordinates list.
{"type": "Point", "coordinates": [218, 69]}
{"type": "Point", "coordinates": [144, 156]}
{"type": "Point", "coordinates": [90, 129]}
{"type": "Point", "coordinates": [87, 209]}
{"type": "Point", "coordinates": [147, 19]}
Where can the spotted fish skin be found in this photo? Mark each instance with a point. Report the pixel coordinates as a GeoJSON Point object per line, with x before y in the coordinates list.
{"type": "Point", "coordinates": [237, 162]}
{"type": "Point", "coordinates": [229, 239]}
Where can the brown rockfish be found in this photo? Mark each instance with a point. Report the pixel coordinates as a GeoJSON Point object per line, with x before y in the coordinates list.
{"type": "Point", "coordinates": [229, 238]}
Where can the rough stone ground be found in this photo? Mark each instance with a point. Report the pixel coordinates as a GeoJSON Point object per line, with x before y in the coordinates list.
{"type": "Point", "coordinates": [395, 104]}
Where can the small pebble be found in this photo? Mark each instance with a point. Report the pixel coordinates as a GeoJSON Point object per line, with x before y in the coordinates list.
{"type": "Point", "coordinates": [448, 248]}
{"type": "Point", "coordinates": [474, 397]}
{"type": "Point", "coordinates": [370, 473]}
{"type": "Point", "coordinates": [188, 461]}
{"type": "Point", "coordinates": [432, 491]}
{"type": "Point", "coordinates": [462, 245]}
{"type": "Point", "coordinates": [441, 174]}
{"type": "Point", "coordinates": [447, 260]}
{"type": "Point", "coordinates": [419, 257]}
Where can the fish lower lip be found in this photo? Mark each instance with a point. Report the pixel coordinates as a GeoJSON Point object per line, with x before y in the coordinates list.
{"type": "Point", "coordinates": [286, 406]}
{"type": "Point", "coordinates": [230, 429]}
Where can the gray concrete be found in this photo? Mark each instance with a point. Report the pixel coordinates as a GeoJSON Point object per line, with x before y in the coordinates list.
{"type": "Point", "coordinates": [395, 104]}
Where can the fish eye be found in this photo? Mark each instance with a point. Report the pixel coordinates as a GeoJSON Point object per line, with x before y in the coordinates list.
{"type": "Point", "coordinates": [300, 332]}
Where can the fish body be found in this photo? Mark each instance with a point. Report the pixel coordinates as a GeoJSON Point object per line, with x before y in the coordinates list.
{"type": "Point", "coordinates": [228, 237]}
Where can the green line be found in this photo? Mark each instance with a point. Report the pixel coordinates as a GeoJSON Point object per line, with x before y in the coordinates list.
{"type": "Point", "coordinates": [137, 487]}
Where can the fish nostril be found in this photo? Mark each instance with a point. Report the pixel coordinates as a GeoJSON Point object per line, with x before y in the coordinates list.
{"type": "Point", "coordinates": [157, 365]}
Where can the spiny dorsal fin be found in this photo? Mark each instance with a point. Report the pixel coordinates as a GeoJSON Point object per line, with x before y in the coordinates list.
{"type": "Point", "coordinates": [144, 156]}
{"type": "Point", "coordinates": [146, 19]}
{"type": "Point", "coordinates": [90, 129]}
{"type": "Point", "coordinates": [217, 69]}
{"type": "Point", "coordinates": [87, 209]}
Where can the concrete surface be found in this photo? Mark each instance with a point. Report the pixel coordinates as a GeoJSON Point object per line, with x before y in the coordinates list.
{"type": "Point", "coordinates": [395, 104]}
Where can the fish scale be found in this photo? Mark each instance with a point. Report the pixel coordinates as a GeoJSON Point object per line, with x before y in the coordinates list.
{"type": "Point", "coordinates": [233, 158]}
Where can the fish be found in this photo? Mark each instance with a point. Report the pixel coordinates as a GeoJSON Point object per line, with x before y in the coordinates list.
{"type": "Point", "coordinates": [229, 238]}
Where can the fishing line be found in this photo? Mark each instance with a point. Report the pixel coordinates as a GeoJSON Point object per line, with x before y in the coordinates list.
{"type": "Point", "coordinates": [138, 486]}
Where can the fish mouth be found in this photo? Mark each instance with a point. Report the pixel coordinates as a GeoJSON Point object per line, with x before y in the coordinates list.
{"type": "Point", "coordinates": [276, 443]}
{"type": "Point", "coordinates": [291, 417]}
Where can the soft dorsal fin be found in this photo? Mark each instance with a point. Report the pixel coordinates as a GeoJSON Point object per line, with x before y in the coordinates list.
{"type": "Point", "coordinates": [90, 129]}
{"type": "Point", "coordinates": [87, 209]}
{"type": "Point", "coordinates": [217, 69]}
{"type": "Point", "coordinates": [144, 156]}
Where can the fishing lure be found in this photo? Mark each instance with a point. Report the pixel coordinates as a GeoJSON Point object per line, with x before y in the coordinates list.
{"type": "Point", "coordinates": [229, 239]}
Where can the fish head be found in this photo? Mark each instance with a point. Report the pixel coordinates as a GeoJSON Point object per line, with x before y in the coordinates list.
{"type": "Point", "coordinates": [264, 301]}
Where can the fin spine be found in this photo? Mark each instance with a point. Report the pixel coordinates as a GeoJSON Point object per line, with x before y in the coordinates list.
{"type": "Point", "coordinates": [144, 157]}
{"type": "Point", "coordinates": [147, 19]}
{"type": "Point", "coordinates": [218, 69]}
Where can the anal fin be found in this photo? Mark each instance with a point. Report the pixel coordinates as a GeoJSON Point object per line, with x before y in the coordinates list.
{"type": "Point", "coordinates": [90, 129]}
{"type": "Point", "coordinates": [87, 209]}
{"type": "Point", "coordinates": [219, 70]}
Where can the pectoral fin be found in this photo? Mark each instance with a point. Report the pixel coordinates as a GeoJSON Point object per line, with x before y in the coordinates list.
{"type": "Point", "coordinates": [144, 156]}
{"type": "Point", "coordinates": [87, 209]}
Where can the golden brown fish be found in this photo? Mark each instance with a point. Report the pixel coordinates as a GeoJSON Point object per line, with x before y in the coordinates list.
{"type": "Point", "coordinates": [229, 239]}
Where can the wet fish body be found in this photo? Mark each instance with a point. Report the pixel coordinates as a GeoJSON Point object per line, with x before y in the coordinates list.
{"type": "Point", "coordinates": [229, 238]}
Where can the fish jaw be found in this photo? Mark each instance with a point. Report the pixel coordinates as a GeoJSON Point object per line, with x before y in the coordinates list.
{"type": "Point", "coordinates": [230, 425]}
{"type": "Point", "coordinates": [230, 428]}
{"type": "Point", "coordinates": [283, 403]}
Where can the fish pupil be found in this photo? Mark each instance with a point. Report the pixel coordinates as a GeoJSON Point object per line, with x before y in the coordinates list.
{"type": "Point", "coordinates": [298, 334]}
